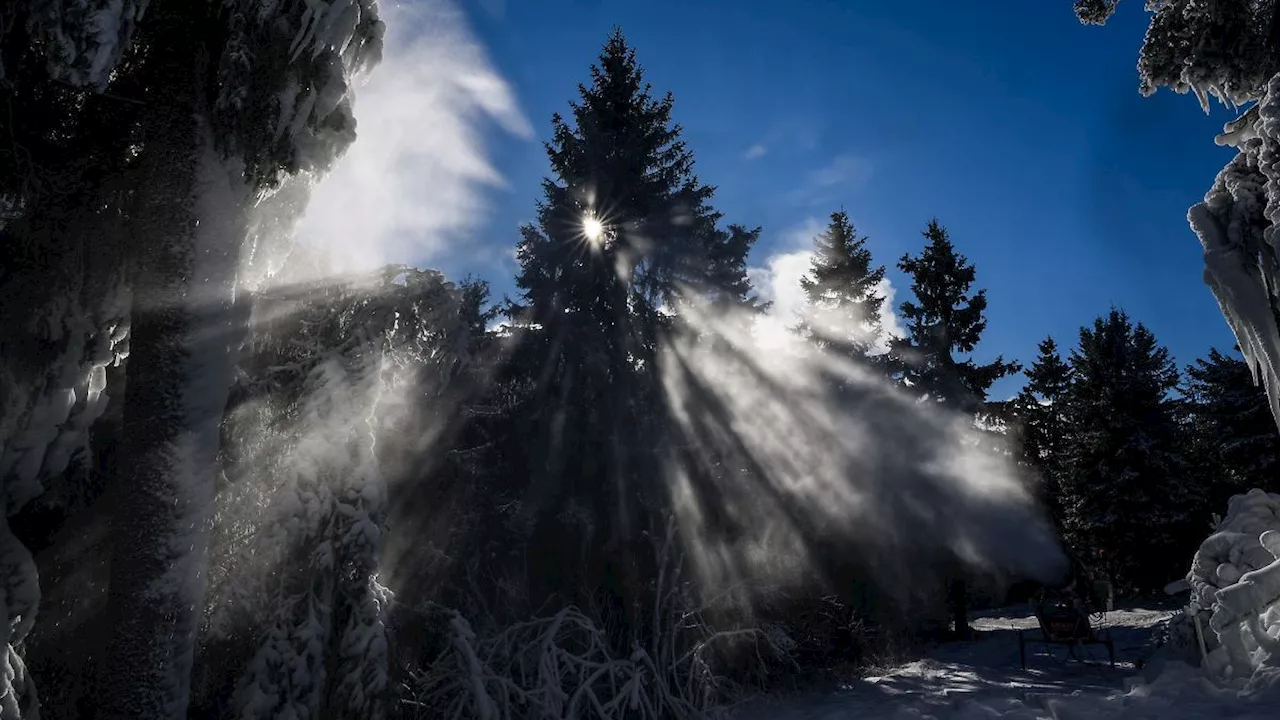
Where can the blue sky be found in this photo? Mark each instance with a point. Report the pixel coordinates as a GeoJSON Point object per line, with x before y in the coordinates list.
{"type": "Point", "coordinates": [1021, 130]}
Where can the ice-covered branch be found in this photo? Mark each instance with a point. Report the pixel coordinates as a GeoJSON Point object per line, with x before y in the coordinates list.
{"type": "Point", "coordinates": [1236, 227]}
{"type": "Point", "coordinates": [84, 40]}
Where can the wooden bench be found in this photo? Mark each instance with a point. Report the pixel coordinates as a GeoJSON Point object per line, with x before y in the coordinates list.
{"type": "Point", "coordinates": [1063, 622]}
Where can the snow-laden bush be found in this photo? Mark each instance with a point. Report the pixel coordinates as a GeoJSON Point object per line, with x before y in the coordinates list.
{"type": "Point", "coordinates": [564, 665]}
{"type": "Point", "coordinates": [1235, 586]}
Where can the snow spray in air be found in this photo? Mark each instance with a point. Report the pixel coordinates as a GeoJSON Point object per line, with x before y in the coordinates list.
{"type": "Point", "coordinates": [821, 464]}
{"type": "Point", "coordinates": [415, 183]}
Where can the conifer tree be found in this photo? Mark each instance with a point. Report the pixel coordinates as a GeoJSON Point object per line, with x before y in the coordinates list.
{"type": "Point", "coordinates": [1044, 420]}
{"type": "Point", "coordinates": [1128, 493]}
{"type": "Point", "coordinates": [207, 100]}
{"type": "Point", "coordinates": [945, 319]}
{"type": "Point", "coordinates": [843, 292]}
{"type": "Point", "coordinates": [1235, 437]}
{"type": "Point", "coordinates": [727, 281]}
{"type": "Point", "coordinates": [623, 228]}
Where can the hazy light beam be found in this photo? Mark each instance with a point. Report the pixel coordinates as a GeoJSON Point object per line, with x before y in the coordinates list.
{"type": "Point", "coordinates": [836, 467]}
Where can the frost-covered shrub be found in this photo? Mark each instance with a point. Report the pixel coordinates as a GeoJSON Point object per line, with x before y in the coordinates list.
{"type": "Point", "coordinates": [566, 665]}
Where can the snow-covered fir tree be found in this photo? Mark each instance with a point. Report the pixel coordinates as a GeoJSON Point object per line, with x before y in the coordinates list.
{"type": "Point", "coordinates": [191, 223]}
{"type": "Point", "coordinates": [945, 318]}
{"type": "Point", "coordinates": [265, 85]}
{"type": "Point", "coordinates": [83, 41]}
{"type": "Point", "coordinates": [333, 376]}
{"type": "Point", "coordinates": [727, 281]}
{"type": "Point", "coordinates": [624, 231]}
{"type": "Point", "coordinates": [1228, 51]}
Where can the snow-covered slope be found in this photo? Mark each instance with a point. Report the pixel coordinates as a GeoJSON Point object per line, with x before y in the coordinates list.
{"type": "Point", "coordinates": [982, 679]}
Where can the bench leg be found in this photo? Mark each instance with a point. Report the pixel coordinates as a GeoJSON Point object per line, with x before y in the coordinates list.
{"type": "Point", "coordinates": [1111, 652]}
{"type": "Point", "coordinates": [1022, 649]}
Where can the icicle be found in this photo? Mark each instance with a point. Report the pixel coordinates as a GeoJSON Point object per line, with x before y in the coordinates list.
{"type": "Point", "coordinates": [341, 21]}
{"type": "Point", "coordinates": [288, 100]}
{"type": "Point", "coordinates": [303, 113]}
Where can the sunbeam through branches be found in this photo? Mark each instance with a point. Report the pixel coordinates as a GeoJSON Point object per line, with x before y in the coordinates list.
{"type": "Point", "coordinates": [801, 460]}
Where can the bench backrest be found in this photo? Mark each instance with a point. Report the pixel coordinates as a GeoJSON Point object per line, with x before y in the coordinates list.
{"type": "Point", "coordinates": [1063, 621]}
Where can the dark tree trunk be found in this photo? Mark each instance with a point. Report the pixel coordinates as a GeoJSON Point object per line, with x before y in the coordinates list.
{"type": "Point", "coordinates": [162, 498]}
{"type": "Point", "coordinates": [143, 670]}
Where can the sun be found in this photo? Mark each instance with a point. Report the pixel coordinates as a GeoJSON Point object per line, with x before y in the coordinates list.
{"type": "Point", "coordinates": [593, 229]}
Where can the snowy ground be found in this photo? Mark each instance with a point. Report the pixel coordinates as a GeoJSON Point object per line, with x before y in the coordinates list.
{"type": "Point", "coordinates": [983, 679]}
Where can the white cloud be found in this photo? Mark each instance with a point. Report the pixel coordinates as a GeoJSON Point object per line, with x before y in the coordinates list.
{"type": "Point", "coordinates": [778, 281]}
{"type": "Point", "coordinates": [417, 178]}
{"type": "Point", "coordinates": [755, 152]}
{"type": "Point", "coordinates": [844, 173]}
{"type": "Point", "coordinates": [890, 323]}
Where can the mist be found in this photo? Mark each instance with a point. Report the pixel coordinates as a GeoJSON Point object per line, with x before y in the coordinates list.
{"type": "Point", "coordinates": [836, 467]}
{"type": "Point", "coordinates": [840, 469]}
{"type": "Point", "coordinates": [845, 469]}
{"type": "Point", "coordinates": [261, 457]}
{"type": "Point", "coordinates": [329, 414]}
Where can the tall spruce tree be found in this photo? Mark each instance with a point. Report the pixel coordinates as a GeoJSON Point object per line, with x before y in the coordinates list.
{"type": "Point", "coordinates": [624, 226]}
{"type": "Point", "coordinates": [1044, 420]}
{"type": "Point", "coordinates": [1235, 437]}
{"type": "Point", "coordinates": [945, 319]}
{"type": "Point", "coordinates": [843, 290]}
{"type": "Point", "coordinates": [1129, 497]}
